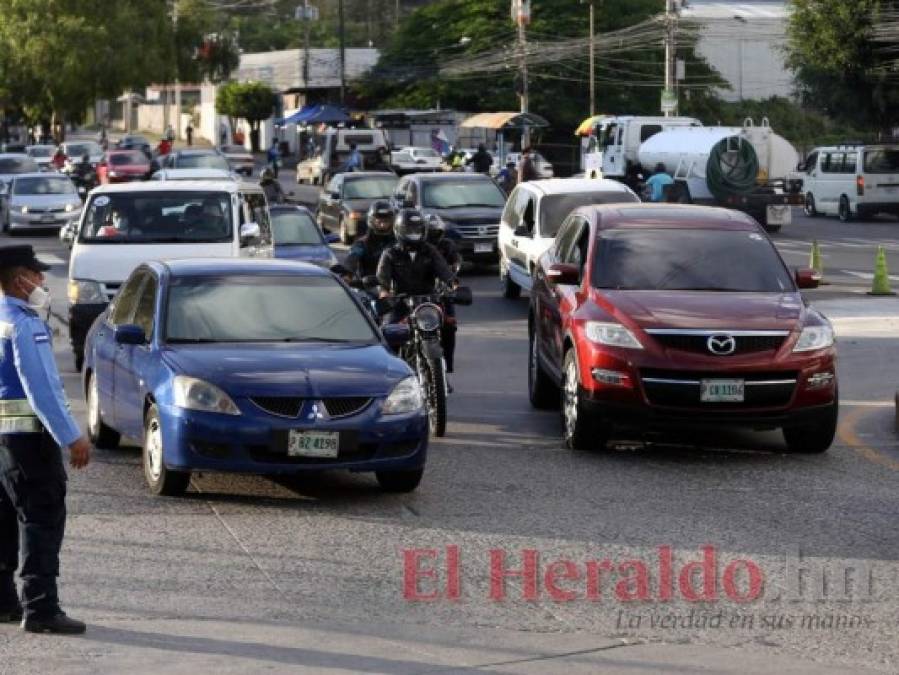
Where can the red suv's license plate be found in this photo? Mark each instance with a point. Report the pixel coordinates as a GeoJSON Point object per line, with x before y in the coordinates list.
{"type": "Point", "coordinates": [722, 391]}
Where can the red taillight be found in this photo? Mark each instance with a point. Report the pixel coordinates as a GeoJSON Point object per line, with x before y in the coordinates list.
{"type": "Point", "coordinates": [860, 185]}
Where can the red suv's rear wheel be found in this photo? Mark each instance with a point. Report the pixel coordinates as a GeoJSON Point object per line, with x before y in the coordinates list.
{"type": "Point", "coordinates": [581, 430]}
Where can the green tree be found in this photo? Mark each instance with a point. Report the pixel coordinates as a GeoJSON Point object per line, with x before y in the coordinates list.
{"type": "Point", "coordinates": [840, 70]}
{"type": "Point", "coordinates": [252, 101]}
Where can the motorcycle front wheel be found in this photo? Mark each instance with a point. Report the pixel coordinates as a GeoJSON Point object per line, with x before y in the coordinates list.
{"type": "Point", "coordinates": [434, 383]}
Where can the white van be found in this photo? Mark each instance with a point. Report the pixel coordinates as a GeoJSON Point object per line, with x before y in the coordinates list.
{"type": "Point", "coordinates": [532, 217]}
{"type": "Point", "coordinates": [125, 224]}
{"type": "Point", "coordinates": [333, 150]}
{"type": "Point", "coordinates": [851, 181]}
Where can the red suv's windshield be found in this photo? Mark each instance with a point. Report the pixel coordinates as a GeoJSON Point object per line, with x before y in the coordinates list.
{"type": "Point", "coordinates": [684, 259]}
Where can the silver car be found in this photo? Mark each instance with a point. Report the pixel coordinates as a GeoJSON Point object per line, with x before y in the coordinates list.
{"type": "Point", "coordinates": [239, 158]}
{"type": "Point", "coordinates": [42, 155]}
{"type": "Point", "coordinates": [40, 200]}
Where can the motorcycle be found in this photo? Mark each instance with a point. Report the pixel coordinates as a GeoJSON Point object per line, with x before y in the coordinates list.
{"type": "Point", "coordinates": [424, 352]}
{"type": "Point", "coordinates": [84, 181]}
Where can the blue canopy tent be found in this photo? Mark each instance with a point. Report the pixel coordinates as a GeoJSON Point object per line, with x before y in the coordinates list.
{"type": "Point", "coordinates": [296, 118]}
{"type": "Point", "coordinates": [326, 114]}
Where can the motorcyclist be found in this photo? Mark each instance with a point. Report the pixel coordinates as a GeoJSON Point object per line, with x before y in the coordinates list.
{"type": "Point", "coordinates": [83, 172]}
{"type": "Point", "coordinates": [270, 185]}
{"type": "Point", "coordinates": [365, 254]}
{"type": "Point", "coordinates": [412, 266]}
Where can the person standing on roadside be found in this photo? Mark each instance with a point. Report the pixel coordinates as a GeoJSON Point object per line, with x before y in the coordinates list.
{"type": "Point", "coordinates": [526, 169]}
{"type": "Point", "coordinates": [481, 160]}
{"type": "Point", "coordinates": [35, 423]}
{"type": "Point", "coordinates": [189, 132]}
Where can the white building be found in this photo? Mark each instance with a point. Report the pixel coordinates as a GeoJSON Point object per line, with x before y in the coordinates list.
{"type": "Point", "coordinates": [744, 41]}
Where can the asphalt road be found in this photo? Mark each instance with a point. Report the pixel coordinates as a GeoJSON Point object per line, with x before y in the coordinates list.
{"type": "Point", "coordinates": [250, 574]}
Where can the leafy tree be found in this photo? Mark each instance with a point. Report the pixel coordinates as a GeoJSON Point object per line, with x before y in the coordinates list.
{"type": "Point", "coordinates": [840, 70]}
{"type": "Point", "coordinates": [253, 101]}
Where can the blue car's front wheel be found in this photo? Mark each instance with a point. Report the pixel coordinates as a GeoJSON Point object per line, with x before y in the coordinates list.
{"type": "Point", "coordinates": [162, 481]}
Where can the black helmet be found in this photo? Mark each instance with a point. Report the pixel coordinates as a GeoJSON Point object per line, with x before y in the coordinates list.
{"type": "Point", "coordinates": [380, 218]}
{"type": "Point", "coordinates": [86, 158]}
{"type": "Point", "coordinates": [267, 175]}
{"type": "Point", "coordinates": [436, 229]}
{"type": "Point", "coordinates": [410, 228]}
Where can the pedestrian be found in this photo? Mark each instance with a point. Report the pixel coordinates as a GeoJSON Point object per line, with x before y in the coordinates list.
{"type": "Point", "coordinates": [506, 177]}
{"type": "Point", "coordinates": [481, 160]}
{"type": "Point", "coordinates": [656, 183]}
{"type": "Point", "coordinates": [274, 157]}
{"type": "Point", "coordinates": [223, 134]}
{"type": "Point", "coordinates": [189, 133]}
{"type": "Point", "coordinates": [35, 423]}
{"type": "Point", "coordinates": [239, 137]}
{"type": "Point", "coordinates": [353, 160]}
{"type": "Point", "coordinates": [526, 169]}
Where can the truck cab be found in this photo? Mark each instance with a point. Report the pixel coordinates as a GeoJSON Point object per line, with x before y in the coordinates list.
{"type": "Point", "coordinates": [333, 150]}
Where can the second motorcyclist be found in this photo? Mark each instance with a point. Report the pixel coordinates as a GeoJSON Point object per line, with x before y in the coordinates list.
{"type": "Point", "coordinates": [365, 254]}
{"type": "Point", "coordinates": [270, 185]}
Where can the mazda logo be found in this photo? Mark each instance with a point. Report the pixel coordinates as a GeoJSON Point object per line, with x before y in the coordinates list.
{"type": "Point", "coordinates": [722, 345]}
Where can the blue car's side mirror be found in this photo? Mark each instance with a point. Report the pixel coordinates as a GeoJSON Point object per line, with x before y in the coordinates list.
{"type": "Point", "coordinates": [396, 334]}
{"type": "Point", "coordinates": [331, 237]}
{"type": "Point", "coordinates": [129, 334]}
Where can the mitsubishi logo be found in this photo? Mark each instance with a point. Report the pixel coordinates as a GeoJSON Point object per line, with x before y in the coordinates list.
{"type": "Point", "coordinates": [722, 345]}
{"type": "Point", "coordinates": [315, 413]}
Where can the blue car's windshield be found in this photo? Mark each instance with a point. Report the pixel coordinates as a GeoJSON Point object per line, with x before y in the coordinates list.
{"type": "Point", "coordinates": [263, 309]}
{"type": "Point", "coordinates": [295, 227]}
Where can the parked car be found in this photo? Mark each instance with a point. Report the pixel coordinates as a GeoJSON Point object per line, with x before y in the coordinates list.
{"type": "Point", "coordinates": [470, 205]}
{"type": "Point", "coordinates": [41, 154]}
{"type": "Point", "coordinates": [343, 205]}
{"type": "Point", "coordinates": [412, 159]}
{"type": "Point", "coordinates": [75, 150]}
{"type": "Point", "coordinates": [121, 166]}
{"type": "Point", "coordinates": [135, 142]}
{"type": "Point", "coordinates": [126, 224]}
{"type": "Point", "coordinates": [40, 200]}
{"type": "Point", "coordinates": [239, 158]}
{"type": "Point", "coordinates": [531, 219]}
{"type": "Point", "coordinates": [253, 368]}
{"type": "Point", "coordinates": [851, 181]}
{"type": "Point", "coordinates": [651, 316]}
{"type": "Point", "coordinates": [297, 236]}
{"type": "Point", "coordinates": [194, 159]}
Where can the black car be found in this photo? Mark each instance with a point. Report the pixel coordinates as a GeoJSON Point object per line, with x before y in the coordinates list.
{"type": "Point", "coordinates": [343, 205]}
{"type": "Point", "coordinates": [470, 204]}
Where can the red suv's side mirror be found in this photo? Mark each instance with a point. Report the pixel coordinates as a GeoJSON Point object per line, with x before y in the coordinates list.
{"type": "Point", "coordinates": [563, 273]}
{"type": "Point", "coordinates": [807, 278]}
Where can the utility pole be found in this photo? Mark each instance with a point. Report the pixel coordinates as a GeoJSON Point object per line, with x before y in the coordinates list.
{"type": "Point", "coordinates": [521, 14]}
{"type": "Point", "coordinates": [669, 98]}
{"type": "Point", "coordinates": [592, 62]}
{"type": "Point", "coordinates": [177, 124]}
{"type": "Point", "coordinates": [342, 52]}
{"type": "Point", "coordinates": [306, 50]}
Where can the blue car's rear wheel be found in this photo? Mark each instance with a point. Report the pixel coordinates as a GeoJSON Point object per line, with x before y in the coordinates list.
{"type": "Point", "coordinates": [162, 481]}
{"type": "Point", "coordinates": [399, 481]}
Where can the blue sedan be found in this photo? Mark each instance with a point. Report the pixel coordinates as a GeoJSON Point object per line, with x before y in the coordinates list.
{"type": "Point", "coordinates": [297, 236]}
{"type": "Point", "coordinates": [251, 366]}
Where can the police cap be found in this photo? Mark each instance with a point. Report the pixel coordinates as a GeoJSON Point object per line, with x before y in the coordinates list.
{"type": "Point", "coordinates": [21, 255]}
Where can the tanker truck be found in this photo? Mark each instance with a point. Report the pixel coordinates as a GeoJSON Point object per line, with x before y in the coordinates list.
{"type": "Point", "coordinates": [745, 168]}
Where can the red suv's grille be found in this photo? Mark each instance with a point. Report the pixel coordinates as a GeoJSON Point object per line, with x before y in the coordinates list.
{"type": "Point", "coordinates": [681, 389]}
{"type": "Point", "coordinates": [745, 344]}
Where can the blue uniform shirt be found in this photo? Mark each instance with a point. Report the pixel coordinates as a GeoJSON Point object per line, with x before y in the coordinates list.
{"type": "Point", "coordinates": [656, 183]}
{"type": "Point", "coordinates": [28, 369]}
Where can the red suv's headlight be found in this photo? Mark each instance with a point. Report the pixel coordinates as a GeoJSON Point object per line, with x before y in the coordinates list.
{"type": "Point", "coordinates": [814, 337]}
{"type": "Point", "coordinates": [611, 334]}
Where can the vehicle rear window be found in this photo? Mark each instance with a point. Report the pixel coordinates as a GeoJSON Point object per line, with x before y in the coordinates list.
{"type": "Point", "coordinates": [123, 158]}
{"type": "Point", "coordinates": [689, 259]}
{"type": "Point", "coordinates": [368, 188]}
{"type": "Point", "coordinates": [555, 208]}
{"type": "Point", "coordinates": [18, 165]}
{"type": "Point", "coordinates": [451, 194]}
{"type": "Point", "coordinates": [263, 309]}
{"type": "Point", "coordinates": [882, 160]}
{"type": "Point", "coordinates": [40, 185]}
{"type": "Point", "coordinates": [177, 216]}
{"type": "Point", "coordinates": [202, 162]}
{"type": "Point", "coordinates": [295, 227]}
{"type": "Point", "coordinates": [41, 151]}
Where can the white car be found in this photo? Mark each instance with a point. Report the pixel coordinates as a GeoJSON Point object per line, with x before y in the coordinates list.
{"type": "Point", "coordinates": [41, 154]}
{"type": "Point", "coordinates": [193, 174]}
{"type": "Point", "coordinates": [411, 159]}
{"type": "Point", "coordinates": [533, 214]}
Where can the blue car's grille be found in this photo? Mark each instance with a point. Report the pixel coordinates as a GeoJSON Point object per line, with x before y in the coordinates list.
{"type": "Point", "coordinates": [342, 407]}
{"type": "Point", "coordinates": [283, 406]}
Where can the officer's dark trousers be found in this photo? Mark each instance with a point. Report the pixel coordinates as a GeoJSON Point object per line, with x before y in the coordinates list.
{"type": "Point", "coordinates": [32, 507]}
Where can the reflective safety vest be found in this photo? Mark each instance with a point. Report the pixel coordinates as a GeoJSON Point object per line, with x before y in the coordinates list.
{"type": "Point", "coordinates": [17, 417]}
{"type": "Point", "coordinates": [16, 414]}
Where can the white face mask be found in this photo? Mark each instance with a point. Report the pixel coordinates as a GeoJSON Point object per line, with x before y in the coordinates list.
{"type": "Point", "coordinates": [39, 297]}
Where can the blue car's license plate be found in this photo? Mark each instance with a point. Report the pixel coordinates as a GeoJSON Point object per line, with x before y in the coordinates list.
{"type": "Point", "coordinates": [313, 443]}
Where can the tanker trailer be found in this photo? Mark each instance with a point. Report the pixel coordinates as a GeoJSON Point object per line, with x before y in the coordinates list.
{"type": "Point", "coordinates": [742, 168]}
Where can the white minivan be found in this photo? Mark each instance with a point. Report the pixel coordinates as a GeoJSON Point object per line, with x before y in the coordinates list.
{"type": "Point", "coordinates": [851, 181]}
{"type": "Point", "coordinates": [532, 217]}
{"type": "Point", "coordinates": [125, 224]}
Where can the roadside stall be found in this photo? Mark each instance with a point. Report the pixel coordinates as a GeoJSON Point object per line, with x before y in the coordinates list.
{"type": "Point", "coordinates": [504, 124]}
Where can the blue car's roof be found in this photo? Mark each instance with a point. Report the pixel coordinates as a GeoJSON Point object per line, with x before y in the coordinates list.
{"type": "Point", "coordinates": [191, 267]}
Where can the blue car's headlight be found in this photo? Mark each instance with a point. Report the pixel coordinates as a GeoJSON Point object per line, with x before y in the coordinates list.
{"type": "Point", "coordinates": [193, 394]}
{"type": "Point", "coordinates": [406, 397]}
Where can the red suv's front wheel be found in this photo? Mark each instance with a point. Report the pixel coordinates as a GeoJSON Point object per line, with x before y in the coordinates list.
{"type": "Point", "coordinates": [581, 430]}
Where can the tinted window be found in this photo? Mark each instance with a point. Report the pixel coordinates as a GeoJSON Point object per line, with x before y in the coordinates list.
{"type": "Point", "coordinates": [450, 194]}
{"type": "Point", "coordinates": [121, 158]}
{"type": "Point", "coordinates": [566, 235]}
{"type": "Point", "coordinates": [295, 227]}
{"type": "Point", "coordinates": [850, 162]}
{"type": "Point", "coordinates": [358, 139]}
{"type": "Point", "coordinates": [833, 162]}
{"type": "Point", "coordinates": [18, 165]}
{"type": "Point", "coordinates": [201, 162]}
{"type": "Point", "coordinates": [682, 259]}
{"type": "Point", "coordinates": [368, 188]}
{"type": "Point", "coordinates": [41, 185]}
{"type": "Point", "coordinates": [126, 300]}
{"type": "Point", "coordinates": [81, 149]}
{"type": "Point", "coordinates": [158, 217]}
{"type": "Point", "coordinates": [555, 208]}
{"type": "Point", "coordinates": [263, 309]}
{"type": "Point", "coordinates": [41, 151]}
{"type": "Point", "coordinates": [146, 307]}
{"type": "Point", "coordinates": [511, 214]}
{"type": "Point", "coordinates": [882, 160]}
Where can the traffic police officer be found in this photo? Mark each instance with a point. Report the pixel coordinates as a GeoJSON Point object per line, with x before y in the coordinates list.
{"type": "Point", "coordinates": [35, 423]}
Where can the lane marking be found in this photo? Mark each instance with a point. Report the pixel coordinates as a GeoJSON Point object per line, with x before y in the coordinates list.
{"type": "Point", "coordinates": [847, 434]}
{"type": "Point", "coordinates": [869, 404]}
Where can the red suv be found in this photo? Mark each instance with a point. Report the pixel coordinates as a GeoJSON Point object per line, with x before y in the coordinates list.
{"type": "Point", "coordinates": [667, 315]}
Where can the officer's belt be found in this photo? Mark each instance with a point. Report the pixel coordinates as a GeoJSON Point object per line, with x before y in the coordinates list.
{"type": "Point", "coordinates": [17, 416]}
